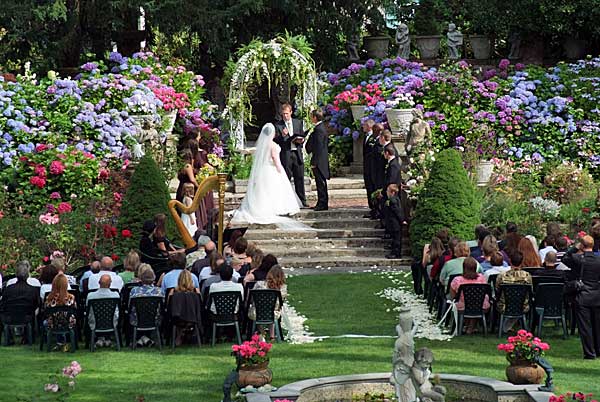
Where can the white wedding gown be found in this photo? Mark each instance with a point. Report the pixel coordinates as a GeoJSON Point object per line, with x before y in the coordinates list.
{"type": "Point", "coordinates": [270, 193]}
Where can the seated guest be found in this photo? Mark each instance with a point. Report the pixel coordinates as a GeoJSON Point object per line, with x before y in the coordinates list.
{"type": "Point", "coordinates": [260, 274]}
{"type": "Point", "coordinates": [84, 280]}
{"type": "Point", "coordinates": [59, 296]}
{"type": "Point", "coordinates": [225, 284]}
{"type": "Point", "coordinates": [209, 248]}
{"type": "Point", "coordinates": [257, 257]}
{"type": "Point", "coordinates": [475, 245]}
{"type": "Point", "coordinates": [146, 244]}
{"type": "Point", "coordinates": [436, 268]}
{"type": "Point", "coordinates": [489, 247]}
{"type": "Point", "coordinates": [30, 281]}
{"type": "Point", "coordinates": [431, 253]}
{"type": "Point", "coordinates": [185, 284]}
{"type": "Point", "coordinates": [159, 237]}
{"type": "Point", "coordinates": [515, 275]}
{"type": "Point", "coordinates": [47, 275]}
{"type": "Point", "coordinates": [147, 278]}
{"type": "Point", "coordinates": [103, 292]}
{"type": "Point", "coordinates": [211, 268]}
{"type": "Point", "coordinates": [455, 266]}
{"type": "Point", "coordinates": [497, 265]}
{"type": "Point", "coordinates": [228, 249]}
{"type": "Point", "coordinates": [239, 250]}
{"type": "Point", "coordinates": [237, 264]}
{"type": "Point", "coordinates": [200, 251]}
{"type": "Point", "coordinates": [547, 245]}
{"type": "Point", "coordinates": [177, 265]}
{"type": "Point", "coordinates": [106, 267]}
{"type": "Point", "coordinates": [131, 263]}
{"type": "Point", "coordinates": [530, 256]}
{"type": "Point", "coordinates": [275, 280]}
{"type": "Point", "coordinates": [511, 239]}
{"type": "Point", "coordinates": [61, 265]}
{"type": "Point", "coordinates": [469, 276]}
{"type": "Point", "coordinates": [549, 260]}
{"type": "Point", "coordinates": [562, 245]}
{"type": "Point", "coordinates": [213, 276]}
{"type": "Point", "coordinates": [21, 292]}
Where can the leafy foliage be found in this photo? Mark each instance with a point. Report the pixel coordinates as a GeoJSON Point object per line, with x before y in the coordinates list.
{"type": "Point", "coordinates": [449, 199]}
{"type": "Point", "coordinates": [146, 196]}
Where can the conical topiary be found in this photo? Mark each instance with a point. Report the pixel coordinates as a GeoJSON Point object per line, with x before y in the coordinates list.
{"type": "Point", "coordinates": [146, 196]}
{"type": "Point", "coordinates": [448, 199]}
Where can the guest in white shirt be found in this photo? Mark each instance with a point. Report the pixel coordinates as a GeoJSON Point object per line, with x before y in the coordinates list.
{"type": "Point", "coordinates": [548, 245]}
{"type": "Point", "coordinates": [94, 269]}
{"type": "Point", "coordinates": [47, 276]}
{"type": "Point", "coordinates": [106, 267]}
{"type": "Point", "coordinates": [30, 281]}
{"type": "Point", "coordinates": [226, 284]}
{"type": "Point", "coordinates": [498, 266]}
{"type": "Point", "coordinates": [103, 292]}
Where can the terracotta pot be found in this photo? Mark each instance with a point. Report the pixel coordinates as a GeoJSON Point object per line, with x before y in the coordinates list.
{"type": "Point", "coordinates": [256, 375]}
{"type": "Point", "coordinates": [524, 372]}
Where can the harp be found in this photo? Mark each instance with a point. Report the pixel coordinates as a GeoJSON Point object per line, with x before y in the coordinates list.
{"type": "Point", "coordinates": [216, 182]}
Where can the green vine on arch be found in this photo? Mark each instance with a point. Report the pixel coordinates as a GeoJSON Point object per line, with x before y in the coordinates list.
{"type": "Point", "coordinates": [283, 60]}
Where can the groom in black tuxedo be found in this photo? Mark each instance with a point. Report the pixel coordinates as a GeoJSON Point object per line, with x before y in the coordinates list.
{"type": "Point", "coordinates": [289, 134]}
{"type": "Point", "coordinates": [317, 145]}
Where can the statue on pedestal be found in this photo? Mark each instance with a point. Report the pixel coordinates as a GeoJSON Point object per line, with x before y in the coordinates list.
{"type": "Point", "coordinates": [352, 45]}
{"type": "Point", "coordinates": [420, 373]}
{"type": "Point", "coordinates": [455, 41]}
{"type": "Point", "coordinates": [403, 41]}
{"type": "Point", "coordinates": [419, 131]}
{"type": "Point", "coordinates": [403, 358]}
{"type": "Point", "coordinates": [515, 45]}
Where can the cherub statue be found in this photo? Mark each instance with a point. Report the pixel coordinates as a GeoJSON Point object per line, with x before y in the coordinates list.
{"type": "Point", "coordinates": [419, 131]}
{"type": "Point", "coordinates": [515, 45]}
{"type": "Point", "coordinates": [352, 47]}
{"type": "Point", "coordinates": [403, 358]}
{"type": "Point", "coordinates": [421, 372]}
{"type": "Point", "coordinates": [455, 41]}
{"type": "Point", "coordinates": [403, 41]}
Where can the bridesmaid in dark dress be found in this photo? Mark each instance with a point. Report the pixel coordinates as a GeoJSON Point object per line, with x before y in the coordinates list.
{"type": "Point", "coordinates": [201, 160]}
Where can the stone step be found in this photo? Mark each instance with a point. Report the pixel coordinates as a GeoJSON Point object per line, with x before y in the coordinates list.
{"type": "Point", "coordinates": [335, 243]}
{"type": "Point", "coordinates": [352, 196]}
{"type": "Point", "coordinates": [351, 212]}
{"type": "Point", "coordinates": [329, 223]}
{"type": "Point", "coordinates": [325, 252]}
{"type": "Point", "coordinates": [270, 234]}
{"type": "Point", "coordinates": [338, 183]}
{"type": "Point", "coordinates": [349, 262]}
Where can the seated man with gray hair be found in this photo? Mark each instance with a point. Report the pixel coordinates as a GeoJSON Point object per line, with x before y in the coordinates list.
{"type": "Point", "coordinates": [106, 267]}
{"type": "Point", "coordinates": [21, 292]}
{"type": "Point", "coordinates": [103, 292]}
{"type": "Point", "coordinates": [31, 281]}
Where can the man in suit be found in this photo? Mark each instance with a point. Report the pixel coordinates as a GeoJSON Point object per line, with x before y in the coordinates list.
{"type": "Point", "coordinates": [585, 265]}
{"type": "Point", "coordinates": [391, 176]}
{"type": "Point", "coordinates": [317, 145]}
{"type": "Point", "coordinates": [289, 134]}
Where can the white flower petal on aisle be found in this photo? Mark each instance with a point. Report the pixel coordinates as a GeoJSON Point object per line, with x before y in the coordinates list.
{"type": "Point", "coordinates": [404, 297]}
{"type": "Point", "coordinates": [293, 323]}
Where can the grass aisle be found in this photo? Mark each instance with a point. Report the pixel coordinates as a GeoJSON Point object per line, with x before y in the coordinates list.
{"type": "Point", "coordinates": [334, 304]}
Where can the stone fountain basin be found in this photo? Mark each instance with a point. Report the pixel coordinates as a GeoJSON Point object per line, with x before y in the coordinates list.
{"type": "Point", "coordinates": [343, 388]}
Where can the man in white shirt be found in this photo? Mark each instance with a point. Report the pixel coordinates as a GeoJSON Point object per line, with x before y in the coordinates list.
{"type": "Point", "coordinates": [94, 269]}
{"type": "Point", "coordinates": [549, 242]}
{"type": "Point", "coordinates": [226, 284]}
{"type": "Point", "coordinates": [103, 292]}
{"type": "Point", "coordinates": [106, 268]}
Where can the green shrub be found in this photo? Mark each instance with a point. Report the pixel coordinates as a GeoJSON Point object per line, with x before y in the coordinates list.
{"type": "Point", "coordinates": [448, 199]}
{"type": "Point", "coordinates": [146, 196]}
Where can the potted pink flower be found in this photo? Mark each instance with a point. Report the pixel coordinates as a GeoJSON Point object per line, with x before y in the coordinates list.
{"type": "Point", "coordinates": [522, 351]}
{"type": "Point", "coordinates": [253, 361]}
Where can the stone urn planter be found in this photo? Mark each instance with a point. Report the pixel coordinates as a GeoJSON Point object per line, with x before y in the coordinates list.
{"type": "Point", "coordinates": [484, 172]}
{"type": "Point", "coordinates": [524, 372]}
{"type": "Point", "coordinates": [429, 46]}
{"type": "Point", "coordinates": [376, 46]}
{"type": "Point", "coordinates": [256, 375]}
{"type": "Point", "coordinates": [481, 46]}
{"type": "Point", "coordinates": [358, 111]}
{"type": "Point", "coordinates": [575, 48]}
{"type": "Point", "coordinates": [399, 120]}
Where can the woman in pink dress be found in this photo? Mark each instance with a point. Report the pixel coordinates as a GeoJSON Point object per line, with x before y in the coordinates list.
{"type": "Point", "coordinates": [469, 276]}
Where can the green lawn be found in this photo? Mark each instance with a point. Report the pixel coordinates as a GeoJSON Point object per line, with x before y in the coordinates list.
{"type": "Point", "coordinates": [334, 305]}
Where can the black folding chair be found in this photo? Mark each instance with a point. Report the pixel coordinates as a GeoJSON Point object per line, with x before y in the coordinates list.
{"type": "Point", "coordinates": [104, 314]}
{"type": "Point", "coordinates": [17, 316]}
{"type": "Point", "coordinates": [193, 303]}
{"type": "Point", "coordinates": [47, 334]}
{"type": "Point", "coordinates": [515, 296]}
{"type": "Point", "coordinates": [265, 302]}
{"type": "Point", "coordinates": [148, 311]}
{"type": "Point", "coordinates": [227, 305]}
{"type": "Point", "coordinates": [549, 305]}
{"type": "Point", "coordinates": [474, 297]}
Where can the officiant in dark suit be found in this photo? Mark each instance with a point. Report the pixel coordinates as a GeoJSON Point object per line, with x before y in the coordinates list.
{"type": "Point", "coordinates": [290, 136]}
{"type": "Point", "coordinates": [318, 147]}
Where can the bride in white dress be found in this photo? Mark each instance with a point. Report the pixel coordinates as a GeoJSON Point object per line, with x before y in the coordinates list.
{"type": "Point", "coordinates": [270, 193]}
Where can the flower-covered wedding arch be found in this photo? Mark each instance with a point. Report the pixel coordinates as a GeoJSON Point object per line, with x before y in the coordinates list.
{"type": "Point", "coordinates": [284, 60]}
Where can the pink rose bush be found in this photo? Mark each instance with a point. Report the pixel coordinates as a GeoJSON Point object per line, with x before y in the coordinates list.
{"type": "Point", "coordinates": [523, 346]}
